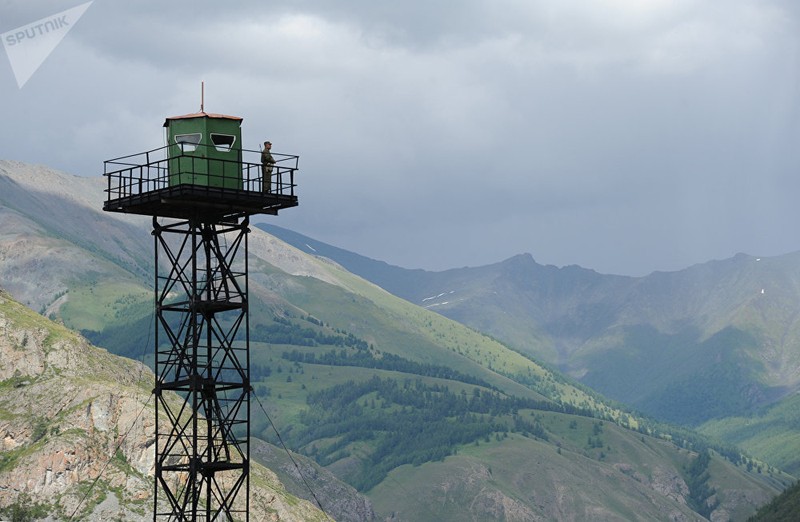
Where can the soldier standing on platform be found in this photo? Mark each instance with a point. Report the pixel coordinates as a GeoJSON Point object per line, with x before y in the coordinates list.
{"type": "Point", "coordinates": [267, 161]}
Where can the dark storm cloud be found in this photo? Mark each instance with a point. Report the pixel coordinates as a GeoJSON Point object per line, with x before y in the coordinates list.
{"type": "Point", "coordinates": [624, 136]}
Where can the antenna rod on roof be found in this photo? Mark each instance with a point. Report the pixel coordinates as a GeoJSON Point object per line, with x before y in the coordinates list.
{"type": "Point", "coordinates": [202, 95]}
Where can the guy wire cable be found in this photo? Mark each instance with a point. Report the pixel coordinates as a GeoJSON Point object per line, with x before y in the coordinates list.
{"type": "Point", "coordinates": [124, 437]}
{"type": "Point", "coordinates": [297, 467]}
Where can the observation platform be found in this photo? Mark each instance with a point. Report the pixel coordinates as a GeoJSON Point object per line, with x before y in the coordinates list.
{"type": "Point", "coordinates": [190, 186]}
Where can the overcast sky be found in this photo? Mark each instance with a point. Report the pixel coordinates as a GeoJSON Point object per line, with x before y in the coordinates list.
{"type": "Point", "coordinates": [626, 136]}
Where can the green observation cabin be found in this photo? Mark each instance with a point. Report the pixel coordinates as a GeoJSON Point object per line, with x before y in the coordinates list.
{"type": "Point", "coordinates": [205, 150]}
{"type": "Point", "coordinates": [202, 172]}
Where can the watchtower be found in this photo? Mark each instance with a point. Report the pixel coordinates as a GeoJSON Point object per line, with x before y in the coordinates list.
{"type": "Point", "coordinates": [201, 189]}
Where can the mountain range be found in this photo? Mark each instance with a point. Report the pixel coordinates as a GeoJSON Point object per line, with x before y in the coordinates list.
{"type": "Point", "coordinates": [715, 346]}
{"type": "Point", "coordinates": [427, 417]}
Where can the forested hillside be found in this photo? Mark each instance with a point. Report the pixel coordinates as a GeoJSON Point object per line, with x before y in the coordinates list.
{"type": "Point", "coordinates": [715, 346]}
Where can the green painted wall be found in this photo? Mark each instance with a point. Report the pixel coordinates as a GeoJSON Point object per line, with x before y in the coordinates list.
{"type": "Point", "coordinates": [215, 162]}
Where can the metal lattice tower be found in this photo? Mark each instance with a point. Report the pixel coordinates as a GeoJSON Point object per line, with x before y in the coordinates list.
{"type": "Point", "coordinates": [201, 309]}
{"type": "Point", "coordinates": [201, 201]}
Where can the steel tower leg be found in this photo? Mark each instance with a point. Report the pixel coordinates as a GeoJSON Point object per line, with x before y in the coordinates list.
{"type": "Point", "coordinates": [202, 354]}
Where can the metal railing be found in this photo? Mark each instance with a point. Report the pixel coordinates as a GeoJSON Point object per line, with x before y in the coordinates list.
{"type": "Point", "coordinates": [138, 174]}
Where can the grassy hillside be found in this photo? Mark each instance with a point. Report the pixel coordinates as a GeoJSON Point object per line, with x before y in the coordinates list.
{"type": "Point", "coordinates": [599, 458]}
{"type": "Point", "coordinates": [773, 433]}
{"type": "Point", "coordinates": [784, 508]}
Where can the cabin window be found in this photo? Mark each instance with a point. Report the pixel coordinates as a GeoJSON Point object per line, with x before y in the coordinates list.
{"type": "Point", "coordinates": [223, 142]}
{"type": "Point", "coordinates": [188, 142]}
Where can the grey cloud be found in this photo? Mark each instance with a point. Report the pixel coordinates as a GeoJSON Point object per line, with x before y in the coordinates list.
{"type": "Point", "coordinates": [623, 136]}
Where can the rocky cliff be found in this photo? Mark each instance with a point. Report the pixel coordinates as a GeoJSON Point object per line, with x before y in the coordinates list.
{"type": "Point", "coordinates": [76, 428]}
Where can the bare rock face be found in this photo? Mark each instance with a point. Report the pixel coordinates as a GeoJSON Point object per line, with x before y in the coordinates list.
{"type": "Point", "coordinates": [70, 413]}
{"type": "Point", "coordinates": [670, 484]}
{"type": "Point", "coordinates": [298, 473]}
{"type": "Point", "coordinates": [77, 429]}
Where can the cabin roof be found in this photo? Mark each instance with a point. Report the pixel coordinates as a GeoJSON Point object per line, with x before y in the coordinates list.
{"type": "Point", "coordinates": [201, 115]}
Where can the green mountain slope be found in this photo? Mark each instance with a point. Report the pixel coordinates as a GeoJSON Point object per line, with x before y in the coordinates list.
{"type": "Point", "coordinates": [784, 508]}
{"type": "Point", "coordinates": [495, 484]}
{"type": "Point", "coordinates": [713, 341]}
{"type": "Point", "coordinates": [372, 386]}
{"type": "Point", "coordinates": [773, 433]}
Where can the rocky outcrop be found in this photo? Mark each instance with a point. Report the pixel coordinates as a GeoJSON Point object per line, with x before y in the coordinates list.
{"type": "Point", "coordinates": [302, 475]}
{"type": "Point", "coordinates": [77, 429]}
